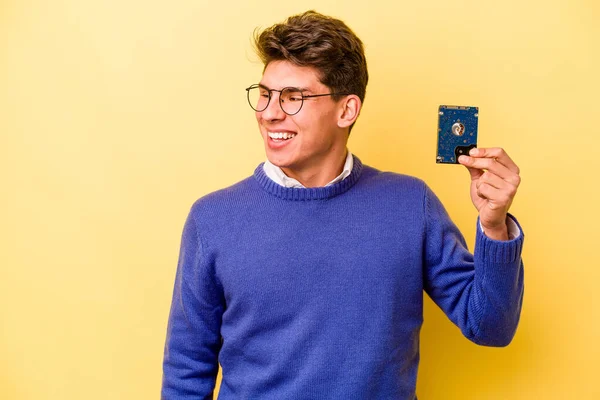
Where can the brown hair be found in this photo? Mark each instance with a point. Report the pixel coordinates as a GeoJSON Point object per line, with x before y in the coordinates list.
{"type": "Point", "coordinates": [324, 43]}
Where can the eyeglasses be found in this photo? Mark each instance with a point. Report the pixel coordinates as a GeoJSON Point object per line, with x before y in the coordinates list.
{"type": "Point", "coordinates": [291, 99]}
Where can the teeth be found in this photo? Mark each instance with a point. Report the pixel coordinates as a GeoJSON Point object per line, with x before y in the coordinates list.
{"type": "Point", "coordinates": [281, 135]}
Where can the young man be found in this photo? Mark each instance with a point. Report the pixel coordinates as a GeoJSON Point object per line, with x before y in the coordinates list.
{"type": "Point", "coordinates": [306, 280]}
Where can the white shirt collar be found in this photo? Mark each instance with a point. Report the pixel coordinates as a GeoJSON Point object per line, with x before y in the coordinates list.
{"type": "Point", "coordinates": [278, 176]}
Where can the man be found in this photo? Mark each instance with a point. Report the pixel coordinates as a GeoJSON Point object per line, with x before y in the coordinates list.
{"type": "Point", "coordinates": [306, 280]}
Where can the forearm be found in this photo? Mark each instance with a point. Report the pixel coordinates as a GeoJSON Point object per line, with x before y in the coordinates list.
{"type": "Point", "coordinates": [193, 340]}
{"type": "Point", "coordinates": [481, 292]}
{"type": "Point", "coordinates": [498, 290]}
{"type": "Point", "coordinates": [190, 363]}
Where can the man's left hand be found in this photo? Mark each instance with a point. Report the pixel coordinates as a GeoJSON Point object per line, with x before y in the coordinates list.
{"type": "Point", "coordinates": [494, 182]}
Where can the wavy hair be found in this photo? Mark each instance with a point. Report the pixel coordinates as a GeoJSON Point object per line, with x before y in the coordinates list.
{"type": "Point", "coordinates": [324, 43]}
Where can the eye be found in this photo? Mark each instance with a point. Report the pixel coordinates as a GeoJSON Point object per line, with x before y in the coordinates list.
{"type": "Point", "coordinates": [292, 95]}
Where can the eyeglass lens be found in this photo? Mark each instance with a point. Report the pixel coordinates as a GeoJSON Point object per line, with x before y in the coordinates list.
{"type": "Point", "coordinates": [290, 99]}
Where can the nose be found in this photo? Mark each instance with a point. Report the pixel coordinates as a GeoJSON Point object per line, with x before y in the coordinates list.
{"type": "Point", "coordinates": [273, 112]}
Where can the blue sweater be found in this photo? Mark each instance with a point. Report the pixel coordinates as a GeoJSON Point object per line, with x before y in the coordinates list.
{"type": "Point", "coordinates": [318, 293]}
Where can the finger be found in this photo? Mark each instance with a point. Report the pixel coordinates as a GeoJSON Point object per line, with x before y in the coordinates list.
{"type": "Point", "coordinates": [489, 164]}
{"type": "Point", "coordinates": [504, 190]}
{"type": "Point", "coordinates": [495, 181]}
{"type": "Point", "coordinates": [474, 172]}
{"type": "Point", "coordinates": [514, 180]}
{"type": "Point", "coordinates": [499, 154]}
{"type": "Point", "coordinates": [497, 198]}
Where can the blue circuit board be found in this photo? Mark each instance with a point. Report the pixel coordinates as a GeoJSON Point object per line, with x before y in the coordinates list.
{"type": "Point", "coordinates": [457, 132]}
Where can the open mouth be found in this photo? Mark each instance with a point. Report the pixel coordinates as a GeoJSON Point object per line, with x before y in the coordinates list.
{"type": "Point", "coordinates": [281, 136]}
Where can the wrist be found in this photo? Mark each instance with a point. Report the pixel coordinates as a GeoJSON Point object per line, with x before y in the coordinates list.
{"type": "Point", "coordinates": [499, 232]}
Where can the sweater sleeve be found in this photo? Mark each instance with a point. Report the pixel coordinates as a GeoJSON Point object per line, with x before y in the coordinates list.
{"type": "Point", "coordinates": [482, 293]}
{"type": "Point", "coordinates": [193, 342]}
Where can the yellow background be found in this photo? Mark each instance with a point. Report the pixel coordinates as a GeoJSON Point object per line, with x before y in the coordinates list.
{"type": "Point", "coordinates": [116, 115]}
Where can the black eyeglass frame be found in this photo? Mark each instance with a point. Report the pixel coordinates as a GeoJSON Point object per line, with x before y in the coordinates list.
{"type": "Point", "coordinates": [291, 88]}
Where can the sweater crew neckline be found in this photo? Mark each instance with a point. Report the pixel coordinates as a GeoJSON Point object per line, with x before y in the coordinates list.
{"type": "Point", "coordinates": [303, 194]}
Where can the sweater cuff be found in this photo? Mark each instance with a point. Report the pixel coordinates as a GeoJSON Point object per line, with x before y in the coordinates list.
{"type": "Point", "coordinates": [513, 228]}
{"type": "Point", "coordinates": [497, 251]}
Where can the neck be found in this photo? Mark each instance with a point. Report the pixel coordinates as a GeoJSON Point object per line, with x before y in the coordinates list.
{"type": "Point", "coordinates": [308, 194]}
{"type": "Point", "coordinates": [321, 174]}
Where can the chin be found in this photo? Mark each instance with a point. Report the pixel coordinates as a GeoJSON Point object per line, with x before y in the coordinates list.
{"type": "Point", "coordinates": [278, 161]}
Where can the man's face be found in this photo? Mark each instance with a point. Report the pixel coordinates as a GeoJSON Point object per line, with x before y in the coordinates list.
{"type": "Point", "coordinates": [314, 137]}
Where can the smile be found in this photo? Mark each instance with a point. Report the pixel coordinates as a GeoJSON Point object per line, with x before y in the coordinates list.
{"type": "Point", "coordinates": [281, 135]}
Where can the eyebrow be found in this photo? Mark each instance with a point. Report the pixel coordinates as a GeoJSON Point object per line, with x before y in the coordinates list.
{"type": "Point", "coordinates": [302, 89]}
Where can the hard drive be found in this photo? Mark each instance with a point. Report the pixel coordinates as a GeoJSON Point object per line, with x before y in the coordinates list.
{"type": "Point", "coordinates": [457, 132]}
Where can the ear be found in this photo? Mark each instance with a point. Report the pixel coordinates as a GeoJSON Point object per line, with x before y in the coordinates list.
{"type": "Point", "coordinates": [349, 110]}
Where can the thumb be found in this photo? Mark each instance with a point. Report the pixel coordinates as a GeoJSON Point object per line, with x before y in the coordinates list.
{"type": "Point", "coordinates": [475, 173]}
